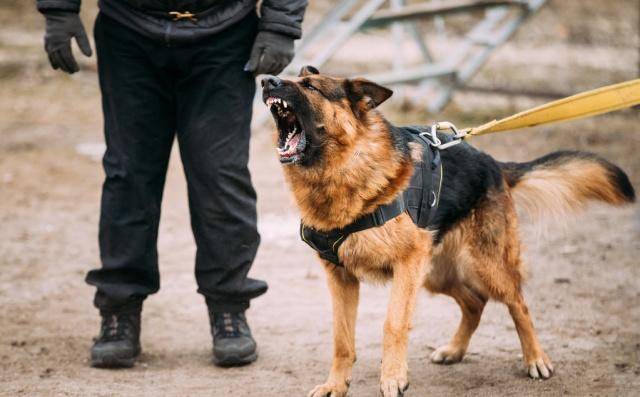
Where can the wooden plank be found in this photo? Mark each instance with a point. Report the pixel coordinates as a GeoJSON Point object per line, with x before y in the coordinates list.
{"type": "Point", "coordinates": [506, 91]}
{"type": "Point", "coordinates": [411, 75]}
{"type": "Point", "coordinates": [433, 8]}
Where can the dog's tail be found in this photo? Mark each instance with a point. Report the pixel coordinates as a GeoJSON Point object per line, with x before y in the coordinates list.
{"type": "Point", "coordinates": [564, 182]}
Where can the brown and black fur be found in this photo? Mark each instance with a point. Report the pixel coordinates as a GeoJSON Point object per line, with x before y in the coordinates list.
{"type": "Point", "coordinates": [355, 160]}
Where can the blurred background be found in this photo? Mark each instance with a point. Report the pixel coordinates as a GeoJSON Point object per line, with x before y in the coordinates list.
{"type": "Point", "coordinates": [584, 290]}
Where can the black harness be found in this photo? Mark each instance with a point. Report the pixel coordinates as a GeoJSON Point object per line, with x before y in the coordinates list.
{"type": "Point", "coordinates": [419, 200]}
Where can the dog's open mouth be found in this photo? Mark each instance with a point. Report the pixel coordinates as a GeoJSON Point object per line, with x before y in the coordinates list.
{"type": "Point", "coordinates": [291, 137]}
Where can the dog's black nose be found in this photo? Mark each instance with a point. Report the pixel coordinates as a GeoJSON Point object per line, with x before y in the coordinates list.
{"type": "Point", "coordinates": [271, 82]}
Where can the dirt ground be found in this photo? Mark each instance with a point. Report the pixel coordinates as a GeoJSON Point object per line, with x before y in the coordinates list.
{"type": "Point", "coordinates": [584, 289]}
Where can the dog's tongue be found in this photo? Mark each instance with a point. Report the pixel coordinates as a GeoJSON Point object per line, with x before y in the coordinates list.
{"type": "Point", "coordinates": [293, 142]}
{"type": "Point", "coordinates": [291, 146]}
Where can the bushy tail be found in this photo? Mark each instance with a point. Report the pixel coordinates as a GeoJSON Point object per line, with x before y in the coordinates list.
{"type": "Point", "coordinates": [564, 182]}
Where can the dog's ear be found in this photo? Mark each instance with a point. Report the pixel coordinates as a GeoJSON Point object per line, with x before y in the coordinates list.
{"type": "Point", "coordinates": [363, 90]}
{"type": "Point", "coordinates": [307, 70]}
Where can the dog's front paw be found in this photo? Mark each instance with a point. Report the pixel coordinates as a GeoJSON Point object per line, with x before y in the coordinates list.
{"type": "Point", "coordinates": [330, 389]}
{"type": "Point", "coordinates": [447, 354]}
{"type": "Point", "coordinates": [539, 367]}
{"type": "Point", "coordinates": [394, 387]}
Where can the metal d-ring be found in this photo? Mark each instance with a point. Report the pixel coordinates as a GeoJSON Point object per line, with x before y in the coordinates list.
{"type": "Point", "coordinates": [443, 126]}
{"type": "Point", "coordinates": [432, 136]}
{"type": "Point", "coordinates": [434, 199]}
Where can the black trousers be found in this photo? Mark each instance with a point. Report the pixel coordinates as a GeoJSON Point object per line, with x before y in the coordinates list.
{"type": "Point", "coordinates": [152, 92]}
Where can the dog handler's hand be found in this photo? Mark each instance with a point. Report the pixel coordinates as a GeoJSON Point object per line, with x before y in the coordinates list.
{"type": "Point", "coordinates": [61, 27]}
{"type": "Point", "coordinates": [271, 53]}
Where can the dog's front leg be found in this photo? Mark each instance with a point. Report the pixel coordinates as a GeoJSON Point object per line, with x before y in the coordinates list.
{"type": "Point", "coordinates": [345, 291]}
{"type": "Point", "coordinates": [408, 277]}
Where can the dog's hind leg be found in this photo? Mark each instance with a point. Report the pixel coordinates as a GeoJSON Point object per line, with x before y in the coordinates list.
{"type": "Point", "coordinates": [537, 363]}
{"type": "Point", "coordinates": [408, 278]}
{"type": "Point", "coordinates": [471, 304]}
{"type": "Point", "coordinates": [502, 278]}
{"type": "Point", "coordinates": [345, 291]}
{"type": "Point", "coordinates": [496, 266]}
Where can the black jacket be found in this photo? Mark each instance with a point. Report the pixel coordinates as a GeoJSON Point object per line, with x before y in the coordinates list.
{"type": "Point", "coordinates": [151, 17]}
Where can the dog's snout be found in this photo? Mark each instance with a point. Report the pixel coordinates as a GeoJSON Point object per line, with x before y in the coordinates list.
{"type": "Point", "coordinates": [269, 82]}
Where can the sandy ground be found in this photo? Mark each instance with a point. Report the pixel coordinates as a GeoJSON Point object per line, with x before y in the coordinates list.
{"type": "Point", "coordinates": [584, 290]}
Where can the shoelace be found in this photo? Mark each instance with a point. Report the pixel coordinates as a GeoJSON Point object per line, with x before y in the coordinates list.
{"type": "Point", "coordinates": [226, 325]}
{"type": "Point", "coordinates": [115, 327]}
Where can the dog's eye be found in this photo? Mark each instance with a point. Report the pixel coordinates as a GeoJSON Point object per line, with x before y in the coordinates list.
{"type": "Point", "coordinates": [308, 86]}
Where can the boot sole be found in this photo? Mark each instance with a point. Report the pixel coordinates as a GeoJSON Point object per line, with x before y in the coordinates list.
{"type": "Point", "coordinates": [234, 360]}
{"type": "Point", "coordinates": [110, 361]}
{"type": "Point", "coordinates": [107, 360]}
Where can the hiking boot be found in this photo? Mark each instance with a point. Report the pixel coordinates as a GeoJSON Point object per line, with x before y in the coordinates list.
{"type": "Point", "coordinates": [118, 344]}
{"type": "Point", "coordinates": [233, 344]}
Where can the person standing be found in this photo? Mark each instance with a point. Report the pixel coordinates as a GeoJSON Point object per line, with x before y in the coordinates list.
{"type": "Point", "coordinates": [180, 68]}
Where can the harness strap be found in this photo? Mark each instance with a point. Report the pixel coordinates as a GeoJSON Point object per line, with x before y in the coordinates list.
{"type": "Point", "coordinates": [423, 211]}
{"type": "Point", "coordinates": [327, 244]}
{"type": "Point", "coordinates": [420, 199]}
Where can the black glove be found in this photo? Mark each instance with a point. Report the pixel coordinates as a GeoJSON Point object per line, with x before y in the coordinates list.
{"type": "Point", "coordinates": [271, 53]}
{"type": "Point", "coordinates": [61, 27]}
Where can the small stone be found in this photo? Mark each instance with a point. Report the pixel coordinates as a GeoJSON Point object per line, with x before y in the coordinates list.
{"type": "Point", "coordinates": [46, 373]}
{"type": "Point", "coordinates": [621, 366]}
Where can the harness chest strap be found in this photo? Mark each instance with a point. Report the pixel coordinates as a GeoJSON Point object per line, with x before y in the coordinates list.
{"type": "Point", "coordinates": [327, 244]}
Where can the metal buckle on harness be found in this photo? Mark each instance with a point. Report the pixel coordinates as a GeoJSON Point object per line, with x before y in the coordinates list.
{"type": "Point", "coordinates": [432, 134]}
{"type": "Point", "coordinates": [178, 16]}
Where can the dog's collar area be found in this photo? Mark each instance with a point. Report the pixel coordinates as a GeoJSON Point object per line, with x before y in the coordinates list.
{"type": "Point", "coordinates": [420, 200]}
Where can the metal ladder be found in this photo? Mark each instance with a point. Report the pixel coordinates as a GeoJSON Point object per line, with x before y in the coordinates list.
{"type": "Point", "coordinates": [441, 77]}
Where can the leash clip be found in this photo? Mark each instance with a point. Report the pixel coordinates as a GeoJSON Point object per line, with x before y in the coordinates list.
{"type": "Point", "coordinates": [432, 135]}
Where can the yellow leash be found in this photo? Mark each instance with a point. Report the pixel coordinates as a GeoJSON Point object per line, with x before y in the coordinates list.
{"type": "Point", "coordinates": [590, 103]}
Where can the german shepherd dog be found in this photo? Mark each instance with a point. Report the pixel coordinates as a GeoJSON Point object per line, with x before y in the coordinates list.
{"type": "Point", "coordinates": [344, 159]}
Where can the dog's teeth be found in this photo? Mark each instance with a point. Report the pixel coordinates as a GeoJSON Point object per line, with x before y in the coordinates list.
{"type": "Point", "coordinates": [284, 103]}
